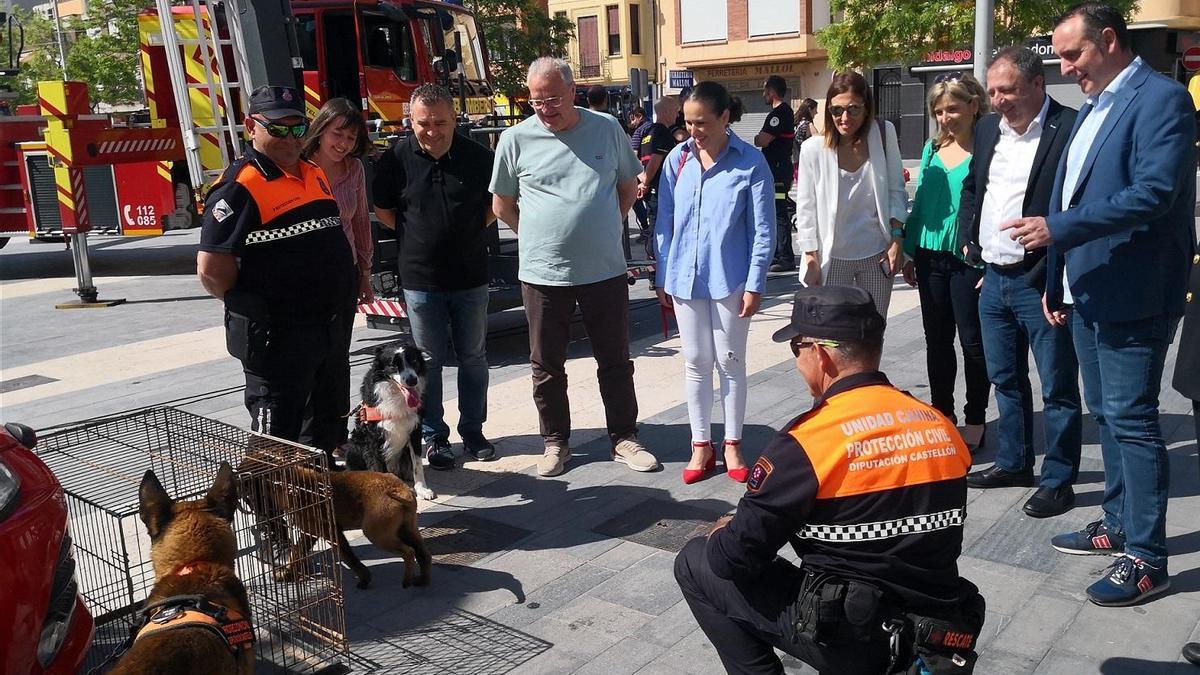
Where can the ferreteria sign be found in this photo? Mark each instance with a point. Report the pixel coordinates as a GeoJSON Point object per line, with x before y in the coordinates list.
{"type": "Point", "coordinates": [747, 72]}
{"type": "Point", "coordinates": [964, 56]}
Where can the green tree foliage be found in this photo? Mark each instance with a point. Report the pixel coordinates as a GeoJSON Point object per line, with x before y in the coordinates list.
{"type": "Point", "coordinates": [39, 58]}
{"type": "Point", "coordinates": [903, 31]}
{"type": "Point", "coordinates": [101, 49]}
{"type": "Point", "coordinates": [517, 32]}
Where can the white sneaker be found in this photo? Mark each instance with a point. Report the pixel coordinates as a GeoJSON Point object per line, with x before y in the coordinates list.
{"type": "Point", "coordinates": [630, 452]}
{"type": "Point", "coordinates": [554, 460]}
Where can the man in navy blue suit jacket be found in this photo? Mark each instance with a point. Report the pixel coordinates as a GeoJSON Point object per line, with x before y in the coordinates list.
{"type": "Point", "coordinates": [1121, 223]}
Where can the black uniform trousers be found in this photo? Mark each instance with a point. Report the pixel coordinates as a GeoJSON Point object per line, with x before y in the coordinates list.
{"type": "Point", "coordinates": [745, 622]}
{"type": "Point", "coordinates": [784, 254]}
{"type": "Point", "coordinates": [298, 390]}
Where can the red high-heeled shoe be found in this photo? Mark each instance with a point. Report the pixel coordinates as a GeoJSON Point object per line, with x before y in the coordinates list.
{"type": "Point", "coordinates": [740, 475]}
{"type": "Point", "coordinates": [692, 475]}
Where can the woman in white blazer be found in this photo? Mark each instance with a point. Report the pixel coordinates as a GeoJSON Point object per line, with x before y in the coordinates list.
{"type": "Point", "coordinates": [850, 198]}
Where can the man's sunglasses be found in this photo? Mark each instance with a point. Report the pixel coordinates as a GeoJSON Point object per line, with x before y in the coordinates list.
{"type": "Point", "coordinates": [855, 110]}
{"type": "Point", "coordinates": [799, 345]}
{"type": "Point", "coordinates": [277, 130]}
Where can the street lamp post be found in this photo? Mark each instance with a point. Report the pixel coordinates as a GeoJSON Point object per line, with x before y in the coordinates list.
{"type": "Point", "coordinates": [984, 12]}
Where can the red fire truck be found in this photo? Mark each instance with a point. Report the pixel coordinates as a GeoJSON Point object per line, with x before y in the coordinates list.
{"type": "Point", "coordinates": [145, 179]}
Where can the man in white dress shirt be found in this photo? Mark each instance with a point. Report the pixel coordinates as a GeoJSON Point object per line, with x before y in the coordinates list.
{"type": "Point", "coordinates": [1012, 175]}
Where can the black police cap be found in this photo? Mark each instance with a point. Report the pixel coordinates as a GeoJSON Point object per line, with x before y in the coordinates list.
{"type": "Point", "coordinates": [276, 103]}
{"type": "Point", "coordinates": [832, 313]}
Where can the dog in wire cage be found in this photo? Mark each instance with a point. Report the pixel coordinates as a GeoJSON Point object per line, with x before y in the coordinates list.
{"type": "Point", "coordinates": [197, 617]}
{"type": "Point", "coordinates": [290, 515]}
{"type": "Point", "coordinates": [387, 426]}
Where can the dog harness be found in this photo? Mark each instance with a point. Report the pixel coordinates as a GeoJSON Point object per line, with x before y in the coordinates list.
{"type": "Point", "coordinates": [196, 611]}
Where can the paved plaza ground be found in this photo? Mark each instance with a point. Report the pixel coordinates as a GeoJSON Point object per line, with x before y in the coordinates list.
{"type": "Point", "coordinates": [572, 574]}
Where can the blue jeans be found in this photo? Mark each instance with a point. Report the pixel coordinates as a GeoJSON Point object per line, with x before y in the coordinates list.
{"type": "Point", "coordinates": [1010, 313]}
{"type": "Point", "coordinates": [1122, 366]}
{"type": "Point", "coordinates": [464, 313]}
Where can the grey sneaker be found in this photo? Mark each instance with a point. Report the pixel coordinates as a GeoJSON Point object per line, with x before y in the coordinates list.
{"type": "Point", "coordinates": [554, 460]}
{"type": "Point", "coordinates": [630, 452]}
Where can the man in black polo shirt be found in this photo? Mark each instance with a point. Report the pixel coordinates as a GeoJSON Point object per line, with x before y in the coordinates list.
{"type": "Point", "coordinates": [433, 189]}
{"type": "Point", "coordinates": [775, 139]}
{"type": "Point", "coordinates": [273, 249]}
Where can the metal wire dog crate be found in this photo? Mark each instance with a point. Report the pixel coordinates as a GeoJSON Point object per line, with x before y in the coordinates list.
{"type": "Point", "coordinates": [299, 622]}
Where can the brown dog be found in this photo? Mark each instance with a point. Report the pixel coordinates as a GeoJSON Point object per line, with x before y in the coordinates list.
{"type": "Point", "coordinates": [380, 504]}
{"type": "Point", "coordinates": [198, 617]}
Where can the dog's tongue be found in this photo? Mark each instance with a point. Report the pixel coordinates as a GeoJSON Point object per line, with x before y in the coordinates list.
{"type": "Point", "coordinates": [411, 398]}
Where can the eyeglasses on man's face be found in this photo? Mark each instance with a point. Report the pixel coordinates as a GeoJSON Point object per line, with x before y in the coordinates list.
{"type": "Point", "coordinates": [551, 102]}
{"type": "Point", "coordinates": [277, 130]}
{"type": "Point", "coordinates": [854, 109]}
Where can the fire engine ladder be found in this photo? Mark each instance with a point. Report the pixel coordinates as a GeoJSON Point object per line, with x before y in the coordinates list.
{"type": "Point", "coordinates": [216, 85]}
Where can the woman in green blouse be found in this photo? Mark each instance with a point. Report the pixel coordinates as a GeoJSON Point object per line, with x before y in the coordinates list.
{"type": "Point", "coordinates": [948, 286]}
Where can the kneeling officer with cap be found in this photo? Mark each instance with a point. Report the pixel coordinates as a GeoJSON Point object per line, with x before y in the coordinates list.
{"type": "Point", "coordinates": [869, 486]}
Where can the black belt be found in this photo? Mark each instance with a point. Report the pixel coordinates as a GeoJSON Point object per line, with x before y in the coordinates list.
{"type": "Point", "coordinates": [830, 605]}
{"type": "Point", "coordinates": [1026, 264]}
{"type": "Point", "coordinates": [1014, 267]}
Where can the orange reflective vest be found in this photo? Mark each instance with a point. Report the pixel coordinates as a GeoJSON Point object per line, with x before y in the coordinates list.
{"type": "Point", "coordinates": [868, 484]}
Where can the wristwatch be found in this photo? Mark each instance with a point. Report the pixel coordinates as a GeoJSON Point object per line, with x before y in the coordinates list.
{"type": "Point", "coordinates": [898, 232]}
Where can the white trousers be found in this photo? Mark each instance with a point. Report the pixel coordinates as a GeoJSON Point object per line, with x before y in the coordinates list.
{"type": "Point", "coordinates": [713, 335]}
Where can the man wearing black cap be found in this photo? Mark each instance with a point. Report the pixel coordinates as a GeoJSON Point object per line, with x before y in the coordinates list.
{"type": "Point", "coordinates": [869, 487]}
{"type": "Point", "coordinates": [272, 248]}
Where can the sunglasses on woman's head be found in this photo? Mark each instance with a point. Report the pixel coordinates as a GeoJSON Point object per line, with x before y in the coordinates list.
{"type": "Point", "coordinates": [954, 76]}
{"type": "Point", "coordinates": [277, 130]}
{"type": "Point", "coordinates": [855, 110]}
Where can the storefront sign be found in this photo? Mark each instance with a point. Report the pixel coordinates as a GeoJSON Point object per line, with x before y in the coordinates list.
{"type": "Point", "coordinates": [748, 72]}
{"type": "Point", "coordinates": [679, 79]}
{"type": "Point", "coordinates": [956, 57]}
{"type": "Point", "coordinates": [947, 56]}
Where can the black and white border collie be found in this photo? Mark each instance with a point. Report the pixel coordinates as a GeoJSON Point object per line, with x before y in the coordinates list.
{"type": "Point", "coordinates": [387, 429]}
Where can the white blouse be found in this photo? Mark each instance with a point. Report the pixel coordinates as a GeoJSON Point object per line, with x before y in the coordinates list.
{"type": "Point", "coordinates": [856, 234]}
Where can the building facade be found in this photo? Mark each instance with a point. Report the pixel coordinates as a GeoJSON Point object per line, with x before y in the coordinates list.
{"type": "Point", "coordinates": [739, 43]}
{"type": "Point", "coordinates": [611, 37]}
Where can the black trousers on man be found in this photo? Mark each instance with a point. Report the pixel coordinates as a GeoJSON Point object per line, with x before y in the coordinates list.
{"type": "Point", "coordinates": [746, 622]}
{"type": "Point", "coordinates": [784, 256]}
{"type": "Point", "coordinates": [305, 372]}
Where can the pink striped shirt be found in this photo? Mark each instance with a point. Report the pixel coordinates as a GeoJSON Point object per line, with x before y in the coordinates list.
{"type": "Point", "coordinates": [350, 191]}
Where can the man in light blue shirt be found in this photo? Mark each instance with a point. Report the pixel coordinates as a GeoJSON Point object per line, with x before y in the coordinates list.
{"type": "Point", "coordinates": [563, 181]}
{"type": "Point", "coordinates": [1121, 223]}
